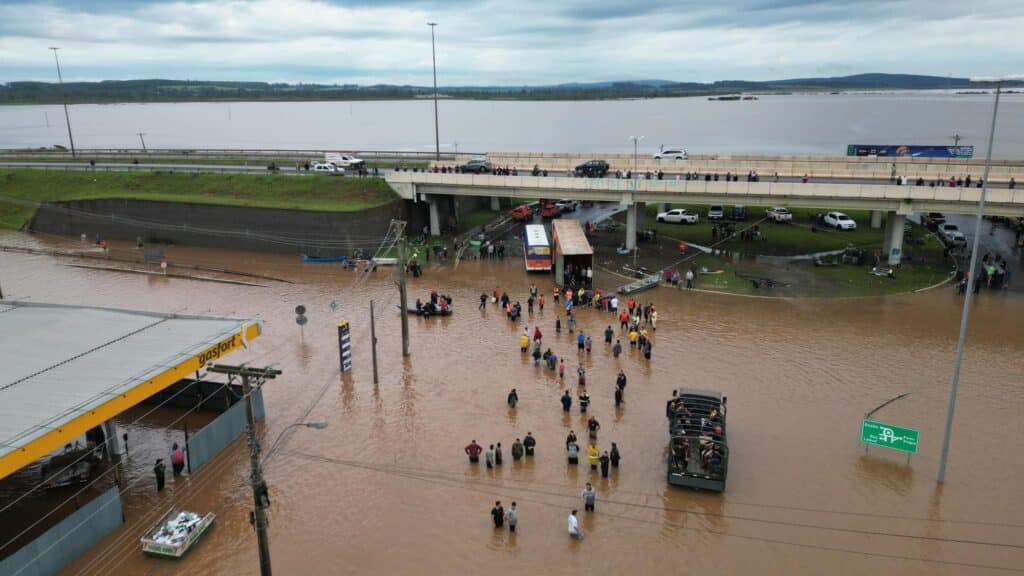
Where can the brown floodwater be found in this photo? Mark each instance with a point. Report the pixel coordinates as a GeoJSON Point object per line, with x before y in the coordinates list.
{"type": "Point", "coordinates": [386, 488]}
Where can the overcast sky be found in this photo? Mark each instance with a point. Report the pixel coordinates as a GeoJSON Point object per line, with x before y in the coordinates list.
{"type": "Point", "coordinates": [507, 42]}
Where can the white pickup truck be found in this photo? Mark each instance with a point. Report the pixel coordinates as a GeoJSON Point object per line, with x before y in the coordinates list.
{"type": "Point", "coordinates": [343, 160]}
{"type": "Point", "coordinates": [779, 214]}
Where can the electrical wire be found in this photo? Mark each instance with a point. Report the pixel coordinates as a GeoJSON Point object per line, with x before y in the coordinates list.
{"type": "Point", "coordinates": [462, 485]}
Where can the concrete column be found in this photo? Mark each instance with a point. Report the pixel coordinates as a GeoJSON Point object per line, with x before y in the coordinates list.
{"type": "Point", "coordinates": [495, 203]}
{"type": "Point", "coordinates": [114, 444]}
{"type": "Point", "coordinates": [435, 218]}
{"type": "Point", "coordinates": [887, 235]}
{"type": "Point", "coordinates": [631, 226]}
{"type": "Point", "coordinates": [876, 219]}
{"type": "Point", "coordinates": [641, 211]}
{"type": "Point", "coordinates": [894, 238]}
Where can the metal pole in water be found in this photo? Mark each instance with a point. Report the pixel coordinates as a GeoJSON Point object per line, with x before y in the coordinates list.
{"type": "Point", "coordinates": [63, 96]}
{"type": "Point", "coordinates": [402, 296]}
{"type": "Point", "coordinates": [967, 297]}
{"type": "Point", "coordinates": [373, 342]}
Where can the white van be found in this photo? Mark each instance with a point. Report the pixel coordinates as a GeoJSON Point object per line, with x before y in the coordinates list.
{"type": "Point", "coordinates": [342, 160]}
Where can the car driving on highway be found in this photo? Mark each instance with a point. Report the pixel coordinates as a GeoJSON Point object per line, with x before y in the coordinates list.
{"type": "Point", "coordinates": [678, 216]}
{"type": "Point", "coordinates": [327, 168]}
{"type": "Point", "coordinates": [593, 168]}
{"type": "Point", "coordinates": [671, 154]}
{"type": "Point", "coordinates": [779, 214]}
{"type": "Point", "coordinates": [840, 221]}
{"type": "Point", "coordinates": [476, 166]}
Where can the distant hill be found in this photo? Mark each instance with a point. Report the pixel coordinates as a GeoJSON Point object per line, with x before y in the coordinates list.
{"type": "Point", "coordinates": [159, 90]}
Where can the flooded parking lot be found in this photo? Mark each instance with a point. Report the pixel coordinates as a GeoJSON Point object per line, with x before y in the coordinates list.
{"type": "Point", "coordinates": [387, 489]}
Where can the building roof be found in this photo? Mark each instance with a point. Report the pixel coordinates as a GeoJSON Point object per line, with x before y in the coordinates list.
{"type": "Point", "coordinates": [570, 238]}
{"type": "Point", "coordinates": [66, 369]}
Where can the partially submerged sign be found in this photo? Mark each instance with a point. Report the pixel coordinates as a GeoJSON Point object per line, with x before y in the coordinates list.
{"type": "Point", "coordinates": [889, 436]}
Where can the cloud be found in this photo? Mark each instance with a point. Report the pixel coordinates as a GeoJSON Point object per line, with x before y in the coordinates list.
{"type": "Point", "coordinates": [510, 43]}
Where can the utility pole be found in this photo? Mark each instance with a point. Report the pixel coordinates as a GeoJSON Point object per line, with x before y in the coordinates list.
{"type": "Point", "coordinates": [260, 497]}
{"type": "Point", "coordinates": [143, 140]}
{"type": "Point", "coordinates": [636, 141]}
{"type": "Point", "coordinates": [373, 342]}
{"type": "Point", "coordinates": [973, 276]}
{"type": "Point", "coordinates": [401, 291]}
{"type": "Point", "coordinates": [433, 59]}
{"type": "Point", "coordinates": [63, 97]}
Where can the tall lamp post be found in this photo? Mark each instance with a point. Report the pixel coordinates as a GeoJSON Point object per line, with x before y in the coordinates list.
{"type": "Point", "coordinates": [433, 59]}
{"type": "Point", "coordinates": [60, 80]}
{"type": "Point", "coordinates": [636, 141]}
{"type": "Point", "coordinates": [972, 275]}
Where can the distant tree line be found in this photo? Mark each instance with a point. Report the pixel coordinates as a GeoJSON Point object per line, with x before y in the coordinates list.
{"type": "Point", "coordinates": [191, 91]}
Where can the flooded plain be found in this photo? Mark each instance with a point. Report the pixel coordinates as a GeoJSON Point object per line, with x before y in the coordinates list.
{"type": "Point", "coordinates": [386, 488]}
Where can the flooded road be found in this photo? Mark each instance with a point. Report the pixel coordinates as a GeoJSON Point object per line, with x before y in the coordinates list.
{"type": "Point", "coordinates": [386, 488]}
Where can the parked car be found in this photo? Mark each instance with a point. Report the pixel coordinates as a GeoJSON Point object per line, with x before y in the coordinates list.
{"type": "Point", "coordinates": [951, 235]}
{"type": "Point", "coordinates": [476, 166]}
{"type": "Point", "coordinates": [593, 168]}
{"type": "Point", "coordinates": [548, 209]}
{"type": "Point", "coordinates": [739, 212]}
{"type": "Point", "coordinates": [326, 168]}
{"type": "Point", "coordinates": [839, 221]}
{"type": "Point", "coordinates": [671, 153]}
{"type": "Point", "coordinates": [678, 216]}
{"type": "Point", "coordinates": [779, 214]}
{"type": "Point", "coordinates": [932, 220]}
{"type": "Point", "coordinates": [567, 206]}
{"type": "Point", "coordinates": [716, 212]}
{"type": "Point", "coordinates": [522, 213]}
{"type": "Point", "coordinates": [342, 160]}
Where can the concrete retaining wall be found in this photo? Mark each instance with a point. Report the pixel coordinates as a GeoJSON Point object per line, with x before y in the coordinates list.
{"type": "Point", "coordinates": [59, 546]}
{"type": "Point", "coordinates": [212, 438]}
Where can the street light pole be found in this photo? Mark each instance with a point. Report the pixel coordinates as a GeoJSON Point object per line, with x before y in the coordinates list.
{"type": "Point", "coordinates": [433, 59]}
{"type": "Point", "coordinates": [636, 141]}
{"type": "Point", "coordinates": [63, 96]}
{"type": "Point", "coordinates": [143, 140]}
{"type": "Point", "coordinates": [972, 278]}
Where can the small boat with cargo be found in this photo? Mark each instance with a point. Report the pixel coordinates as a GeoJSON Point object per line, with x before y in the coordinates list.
{"type": "Point", "coordinates": [642, 284]}
{"type": "Point", "coordinates": [176, 534]}
{"type": "Point", "coordinates": [698, 446]}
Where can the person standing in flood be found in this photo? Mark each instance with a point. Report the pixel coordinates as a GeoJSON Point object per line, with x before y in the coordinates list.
{"type": "Point", "coordinates": [566, 401]}
{"type": "Point", "coordinates": [561, 369]}
{"type": "Point", "coordinates": [584, 401]}
{"type": "Point", "coordinates": [540, 302]}
{"type": "Point", "coordinates": [177, 459]}
{"type": "Point", "coordinates": [593, 456]}
{"type": "Point", "coordinates": [605, 461]}
{"type": "Point", "coordinates": [529, 443]}
{"type": "Point", "coordinates": [608, 333]}
{"type": "Point", "coordinates": [574, 526]}
{"type": "Point", "coordinates": [513, 398]}
{"type": "Point", "coordinates": [517, 450]}
{"type": "Point", "coordinates": [513, 517]}
{"type": "Point", "coordinates": [489, 457]}
{"type": "Point", "coordinates": [473, 450]}
{"type": "Point", "coordinates": [497, 455]}
{"type": "Point", "coordinates": [593, 426]}
{"type": "Point", "coordinates": [589, 496]}
{"type": "Point", "coordinates": [498, 514]}
{"type": "Point", "coordinates": [614, 457]}
{"type": "Point", "coordinates": [159, 470]}
{"type": "Point", "coordinates": [483, 301]}
{"type": "Point", "coordinates": [617, 349]}
{"type": "Point", "coordinates": [581, 341]}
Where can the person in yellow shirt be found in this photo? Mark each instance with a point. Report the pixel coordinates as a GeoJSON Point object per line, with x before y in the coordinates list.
{"type": "Point", "coordinates": [580, 293]}
{"type": "Point", "coordinates": [524, 343]}
{"type": "Point", "coordinates": [633, 337]}
{"type": "Point", "coordinates": [593, 456]}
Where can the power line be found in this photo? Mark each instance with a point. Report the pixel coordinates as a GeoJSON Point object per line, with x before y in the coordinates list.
{"type": "Point", "coordinates": [451, 483]}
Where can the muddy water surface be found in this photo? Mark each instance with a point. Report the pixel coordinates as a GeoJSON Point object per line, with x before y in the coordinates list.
{"type": "Point", "coordinates": [386, 488]}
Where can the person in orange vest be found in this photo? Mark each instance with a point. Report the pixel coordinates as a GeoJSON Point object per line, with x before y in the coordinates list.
{"type": "Point", "coordinates": [557, 293]}
{"type": "Point", "coordinates": [540, 301]}
{"type": "Point", "coordinates": [631, 304]}
{"type": "Point", "coordinates": [623, 319]}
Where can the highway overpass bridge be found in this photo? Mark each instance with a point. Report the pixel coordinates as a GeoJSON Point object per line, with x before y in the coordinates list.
{"type": "Point", "coordinates": [898, 201]}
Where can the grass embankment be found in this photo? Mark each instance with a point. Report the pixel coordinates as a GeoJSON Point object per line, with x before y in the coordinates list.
{"type": "Point", "coordinates": [201, 160]}
{"type": "Point", "coordinates": [478, 218]}
{"type": "Point", "coordinates": [923, 261]}
{"type": "Point", "coordinates": [19, 189]}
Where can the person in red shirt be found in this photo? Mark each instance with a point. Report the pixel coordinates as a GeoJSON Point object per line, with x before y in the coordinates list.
{"type": "Point", "coordinates": [556, 293]}
{"type": "Point", "coordinates": [541, 302]}
{"type": "Point", "coordinates": [474, 450]}
{"type": "Point", "coordinates": [537, 335]}
{"type": "Point", "coordinates": [623, 319]}
{"type": "Point", "coordinates": [177, 459]}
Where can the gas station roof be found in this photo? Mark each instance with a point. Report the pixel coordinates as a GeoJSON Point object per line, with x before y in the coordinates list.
{"type": "Point", "coordinates": [66, 369]}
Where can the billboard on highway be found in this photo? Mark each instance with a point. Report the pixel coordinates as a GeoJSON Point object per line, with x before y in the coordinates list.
{"type": "Point", "coordinates": [910, 151]}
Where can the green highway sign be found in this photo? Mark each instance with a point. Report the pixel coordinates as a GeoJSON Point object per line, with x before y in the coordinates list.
{"type": "Point", "coordinates": [889, 436]}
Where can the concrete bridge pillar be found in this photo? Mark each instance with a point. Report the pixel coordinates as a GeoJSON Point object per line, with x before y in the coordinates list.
{"type": "Point", "coordinates": [876, 219]}
{"type": "Point", "coordinates": [495, 203]}
{"type": "Point", "coordinates": [435, 217]}
{"type": "Point", "coordinates": [641, 211]}
{"type": "Point", "coordinates": [114, 444]}
{"type": "Point", "coordinates": [664, 207]}
{"type": "Point", "coordinates": [631, 226]}
{"type": "Point", "coordinates": [894, 237]}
